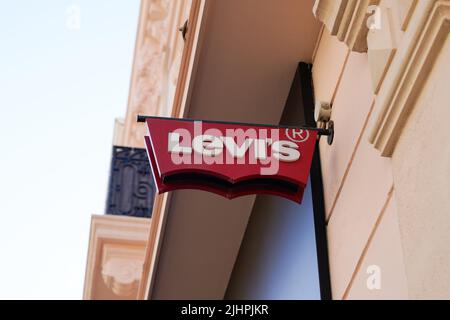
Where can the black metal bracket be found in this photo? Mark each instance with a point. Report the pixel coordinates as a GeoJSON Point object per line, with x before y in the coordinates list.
{"type": "Point", "coordinates": [330, 128]}
{"type": "Point", "coordinates": [328, 131]}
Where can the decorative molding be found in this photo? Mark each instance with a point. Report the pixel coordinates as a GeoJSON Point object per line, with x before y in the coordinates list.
{"type": "Point", "coordinates": [158, 50]}
{"type": "Point", "coordinates": [406, 9]}
{"type": "Point", "coordinates": [391, 19]}
{"type": "Point", "coordinates": [131, 190]}
{"type": "Point", "coordinates": [153, 245]}
{"type": "Point", "coordinates": [382, 42]}
{"type": "Point", "coordinates": [330, 13]}
{"type": "Point", "coordinates": [118, 133]}
{"type": "Point", "coordinates": [122, 268]}
{"type": "Point", "coordinates": [346, 19]}
{"type": "Point", "coordinates": [421, 44]}
{"type": "Point", "coordinates": [117, 247]}
{"type": "Point", "coordinates": [190, 55]}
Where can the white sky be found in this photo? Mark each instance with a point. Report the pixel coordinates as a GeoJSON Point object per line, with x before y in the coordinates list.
{"type": "Point", "coordinates": [60, 90]}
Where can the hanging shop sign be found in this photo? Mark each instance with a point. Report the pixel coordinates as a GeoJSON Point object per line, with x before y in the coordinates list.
{"type": "Point", "coordinates": [230, 159]}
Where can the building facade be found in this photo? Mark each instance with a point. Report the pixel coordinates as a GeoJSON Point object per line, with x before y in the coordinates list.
{"type": "Point", "coordinates": [378, 68]}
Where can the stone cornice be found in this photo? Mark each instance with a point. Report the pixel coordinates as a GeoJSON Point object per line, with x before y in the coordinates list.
{"type": "Point", "coordinates": [157, 58]}
{"type": "Point", "coordinates": [346, 19]}
{"type": "Point", "coordinates": [117, 246]}
{"type": "Point", "coordinates": [422, 43]}
{"type": "Point", "coordinates": [122, 268]}
{"type": "Point", "coordinates": [186, 75]}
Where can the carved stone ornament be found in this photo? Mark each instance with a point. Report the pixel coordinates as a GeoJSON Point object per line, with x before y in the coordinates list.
{"type": "Point", "coordinates": [421, 45]}
{"type": "Point", "coordinates": [349, 20]}
{"type": "Point", "coordinates": [122, 267]}
{"type": "Point", "coordinates": [122, 275]}
{"type": "Point", "coordinates": [158, 52]}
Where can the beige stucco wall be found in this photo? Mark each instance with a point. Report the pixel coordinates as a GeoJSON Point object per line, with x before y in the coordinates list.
{"type": "Point", "coordinates": [386, 178]}
{"type": "Point", "coordinates": [358, 183]}
{"type": "Point", "coordinates": [421, 166]}
{"type": "Point", "coordinates": [384, 251]}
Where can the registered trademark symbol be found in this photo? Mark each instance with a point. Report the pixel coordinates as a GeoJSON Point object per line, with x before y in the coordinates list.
{"type": "Point", "coordinates": [297, 135]}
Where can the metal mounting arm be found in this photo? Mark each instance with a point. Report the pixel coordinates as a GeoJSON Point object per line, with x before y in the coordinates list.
{"type": "Point", "coordinates": [329, 131]}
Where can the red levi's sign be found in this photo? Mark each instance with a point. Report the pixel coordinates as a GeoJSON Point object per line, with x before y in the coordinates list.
{"type": "Point", "coordinates": [229, 159]}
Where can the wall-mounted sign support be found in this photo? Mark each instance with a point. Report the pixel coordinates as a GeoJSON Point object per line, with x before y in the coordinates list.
{"type": "Point", "coordinates": [328, 131]}
{"type": "Point", "coordinates": [230, 159]}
